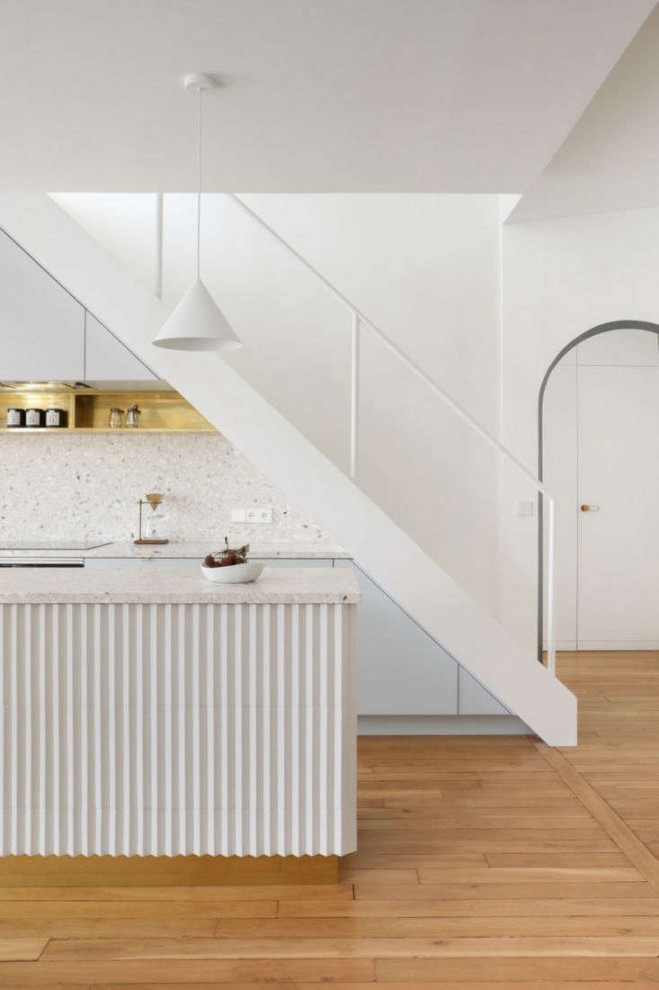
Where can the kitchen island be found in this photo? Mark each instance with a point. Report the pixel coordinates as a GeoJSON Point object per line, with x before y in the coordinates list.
{"type": "Point", "coordinates": [155, 714]}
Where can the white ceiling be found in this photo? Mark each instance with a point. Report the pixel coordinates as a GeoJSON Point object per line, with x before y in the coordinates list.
{"type": "Point", "coordinates": [610, 161]}
{"type": "Point", "coordinates": [320, 95]}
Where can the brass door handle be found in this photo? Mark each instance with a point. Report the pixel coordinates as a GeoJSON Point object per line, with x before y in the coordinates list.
{"type": "Point", "coordinates": [590, 508]}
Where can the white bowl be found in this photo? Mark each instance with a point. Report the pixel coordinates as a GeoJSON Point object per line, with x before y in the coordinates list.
{"type": "Point", "coordinates": [233, 574]}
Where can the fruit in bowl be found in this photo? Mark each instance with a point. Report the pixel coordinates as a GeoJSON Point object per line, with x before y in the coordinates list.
{"type": "Point", "coordinates": [230, 566]}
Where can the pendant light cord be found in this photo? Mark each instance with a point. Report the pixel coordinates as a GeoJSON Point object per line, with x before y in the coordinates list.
{"type": "Point", "coordinates": [199, 180]}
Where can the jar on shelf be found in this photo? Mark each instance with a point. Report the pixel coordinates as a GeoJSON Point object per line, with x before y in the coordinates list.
{"type": "Point", "coordinates": [116, 418]}
{"type": "Point", "coordinates": [133, 417]}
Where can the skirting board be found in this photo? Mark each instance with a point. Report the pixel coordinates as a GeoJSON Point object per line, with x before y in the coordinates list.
{"type": "Point", "coordinates": [602, 645]}
{"type": "Point", "coordinates": [441, 725]}
{"type": "Point", "coordinates": [617, 644]}
{"type": "Point", "coordinates": [165, 871]}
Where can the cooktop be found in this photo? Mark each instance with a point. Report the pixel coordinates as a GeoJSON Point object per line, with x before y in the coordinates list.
{"type": "Point", "coordinates": [52, 544]}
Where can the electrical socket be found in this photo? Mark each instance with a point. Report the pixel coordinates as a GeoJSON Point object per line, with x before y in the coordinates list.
{"type": "Point", "coordinates": [259, 516]}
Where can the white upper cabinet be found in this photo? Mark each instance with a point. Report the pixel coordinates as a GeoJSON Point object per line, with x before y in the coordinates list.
{"type": "Point", "coordinates": [106, 358]}
{"type": "Point", "coordinates": [42, 327]}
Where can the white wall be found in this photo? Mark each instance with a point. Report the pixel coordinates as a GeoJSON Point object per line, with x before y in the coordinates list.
{"type": "Point", "coordinates": [423, 267]}
{"type": "Point", "coordinates": [124, 223]}
{"type": "Point", "coordinates": [562, 277]}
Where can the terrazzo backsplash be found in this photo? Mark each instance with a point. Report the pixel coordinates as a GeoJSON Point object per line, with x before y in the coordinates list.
{"type": "Point", "coordinates": [87, 487]}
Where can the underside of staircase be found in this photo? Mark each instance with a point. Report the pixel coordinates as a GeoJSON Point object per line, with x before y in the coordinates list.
{"type": "Point", "coordinates": [384, 551]}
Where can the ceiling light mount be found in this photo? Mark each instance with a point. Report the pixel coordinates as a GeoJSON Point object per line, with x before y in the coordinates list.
{"type": "Point", "coordinates": [199, 81]}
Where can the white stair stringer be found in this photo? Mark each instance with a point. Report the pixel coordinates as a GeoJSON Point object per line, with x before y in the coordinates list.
{"type": "Point", "coordinates": [470, 634]}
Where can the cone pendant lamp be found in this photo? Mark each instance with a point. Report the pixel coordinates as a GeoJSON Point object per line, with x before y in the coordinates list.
{"type": "Point", "coordinates": [197, 323]}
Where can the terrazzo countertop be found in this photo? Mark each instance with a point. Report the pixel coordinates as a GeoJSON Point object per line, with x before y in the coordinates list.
{"type": "Point", "coordinates": [295, 585]}
{"type": "Point", "coordinates": [264, 551]}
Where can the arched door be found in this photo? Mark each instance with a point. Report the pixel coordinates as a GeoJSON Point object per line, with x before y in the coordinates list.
{"type": "Point", "coordinates": [601, 460]}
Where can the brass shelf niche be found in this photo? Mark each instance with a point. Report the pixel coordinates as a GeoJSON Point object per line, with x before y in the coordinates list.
{"type": "Point", "coordinates": [89, 411]}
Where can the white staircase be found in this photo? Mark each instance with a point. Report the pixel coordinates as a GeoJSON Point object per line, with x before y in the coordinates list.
{"type": "Point", "coordinates": [367, 514]}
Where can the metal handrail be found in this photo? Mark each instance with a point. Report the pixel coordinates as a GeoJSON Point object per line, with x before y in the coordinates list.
{"type": "Point", "coordinates": [358, 318]}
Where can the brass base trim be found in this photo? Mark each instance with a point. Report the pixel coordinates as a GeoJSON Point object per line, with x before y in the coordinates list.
{"type": "Point", "coordinates": [163, 871]}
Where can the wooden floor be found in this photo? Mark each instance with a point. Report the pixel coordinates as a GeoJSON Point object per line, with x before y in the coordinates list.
{"type": "Point", "coordinates": [483, 862]}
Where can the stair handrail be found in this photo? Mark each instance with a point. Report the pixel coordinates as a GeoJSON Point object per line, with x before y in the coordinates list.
{"type": "Point", "coordinates": [359, 318]}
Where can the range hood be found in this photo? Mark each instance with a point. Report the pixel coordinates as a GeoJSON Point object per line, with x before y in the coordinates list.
{"type": "Point", "coordinates": [151, 385]}
{"type": "Point", "coordinates": [44, 386]}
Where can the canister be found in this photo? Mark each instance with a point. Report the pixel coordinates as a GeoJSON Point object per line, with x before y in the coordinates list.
{"type": "Point", "coordinates": [55, 417]}
{"type": "Point", "coordinates": [15, 417]}
{"type": "Point", "coordinates": [34, 417]}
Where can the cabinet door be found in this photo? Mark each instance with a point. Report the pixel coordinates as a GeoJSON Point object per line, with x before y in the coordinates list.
{"type": "Point", "coordinates": [41, 325]}
{"type": "Point", "coordinates": [473, 699]}
{"type": "Point", "coordinates": [400, 669]}
{"type": "Point", "coordinates": [106, 358]}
